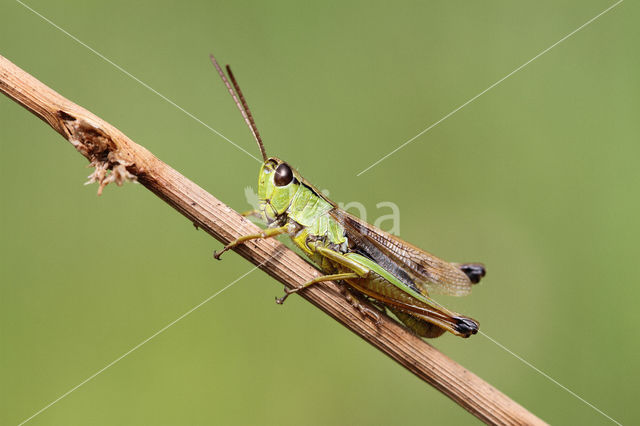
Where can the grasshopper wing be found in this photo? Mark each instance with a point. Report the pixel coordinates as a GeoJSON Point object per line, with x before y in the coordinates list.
{"type": "Point", "coordinates": [421, 271]}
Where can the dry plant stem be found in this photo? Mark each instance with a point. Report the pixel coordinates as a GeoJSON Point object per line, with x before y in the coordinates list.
{"type": "Point", "coordinates": [117, 158]}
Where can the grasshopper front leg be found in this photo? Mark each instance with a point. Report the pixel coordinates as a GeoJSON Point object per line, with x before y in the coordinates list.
{"type": "Point", "coordinates": [266, 233]}
{"type": "Point", "coordinates": [252, 213]}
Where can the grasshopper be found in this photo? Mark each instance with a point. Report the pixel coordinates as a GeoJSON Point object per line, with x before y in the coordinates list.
{"type": "Point", "coordinates": [381, 268]}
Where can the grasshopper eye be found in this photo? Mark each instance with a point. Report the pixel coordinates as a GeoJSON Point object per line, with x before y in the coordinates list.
{"type": "Point", "coordinates": [283, 176]}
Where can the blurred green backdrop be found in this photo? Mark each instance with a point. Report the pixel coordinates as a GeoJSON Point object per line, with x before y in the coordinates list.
{"type": "Point", "coordinates": [538, 178]}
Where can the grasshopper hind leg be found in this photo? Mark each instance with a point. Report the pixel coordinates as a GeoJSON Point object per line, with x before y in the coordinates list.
{"type": "Point", "coordinates": [420, 327]}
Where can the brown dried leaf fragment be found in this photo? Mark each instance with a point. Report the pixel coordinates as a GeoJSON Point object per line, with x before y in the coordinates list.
{"type": "Point", "coordinates": [96, 145]}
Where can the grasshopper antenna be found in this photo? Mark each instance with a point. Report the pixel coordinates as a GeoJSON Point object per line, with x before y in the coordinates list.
{"type": "Point", "coordinates": [241, 103]}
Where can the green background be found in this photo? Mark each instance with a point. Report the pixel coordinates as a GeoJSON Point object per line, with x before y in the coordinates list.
{"type": "Point", "coordinates": [538, 178]}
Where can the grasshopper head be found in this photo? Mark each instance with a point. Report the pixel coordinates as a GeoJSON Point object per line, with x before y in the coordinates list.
{"type": "Point", "coordinates": [277, 184]}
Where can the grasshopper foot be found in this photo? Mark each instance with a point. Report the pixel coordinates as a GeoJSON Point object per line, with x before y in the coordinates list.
{"type": "Point", "coordinates": [287, 292]}
{"type": "Point", "coordinates": [368, 312]}
{"type": "Point", "coordinates": [217, 254]}
{"type": "Point", "coordinates": [364, 310]}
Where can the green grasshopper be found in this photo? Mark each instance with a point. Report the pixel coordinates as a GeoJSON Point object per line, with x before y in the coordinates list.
{"type": "Point", "coordinates": [381, 268]}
